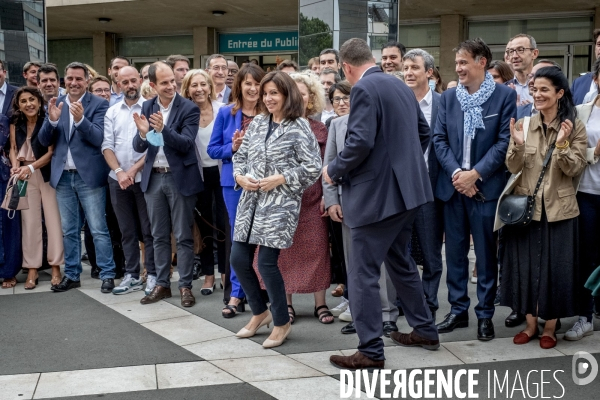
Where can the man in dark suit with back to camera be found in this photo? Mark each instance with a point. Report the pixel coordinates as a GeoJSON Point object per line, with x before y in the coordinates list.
{"type": "Point", "coordinates": [471, 138]}
{"type": "Point", "coordinates": [7, 92]}
{"type": "Point", "coordinates": [385, 181]}
{"type": "Point", "coordinates": [170, 179]}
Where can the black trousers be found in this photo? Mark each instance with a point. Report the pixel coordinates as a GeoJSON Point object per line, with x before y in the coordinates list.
{"type": "Point", "coordinates": [212, 195]}
{"type": "Point", "coordinates": [129, 206]}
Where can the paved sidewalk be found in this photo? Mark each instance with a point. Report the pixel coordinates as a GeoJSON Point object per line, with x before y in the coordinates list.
{"type": "Point", "coordinates": [84, 343]}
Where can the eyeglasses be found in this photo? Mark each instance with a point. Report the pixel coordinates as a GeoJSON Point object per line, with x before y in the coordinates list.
{"type": "Point", "coordinates": [519, 50]}
{"type": "Point", "coordinates": [100, 91]}
{"type": "Point", "coordinates": [338, 100]}
{"type": "Point", "coordinates": [233, 71]}
{"type": "Point", "coordinates": [216, 68]}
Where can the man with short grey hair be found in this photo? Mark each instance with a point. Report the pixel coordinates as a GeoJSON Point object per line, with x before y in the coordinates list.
{"type": "Point", "coordinates": [522, 52]}
{"type": "Point", "coordinates": [216, 66]}
{"type": "Point", "coordinates": [429, 223]}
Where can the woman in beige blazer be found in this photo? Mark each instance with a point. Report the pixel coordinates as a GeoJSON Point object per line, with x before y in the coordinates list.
{"type": "Point", "coordinates": [541, 260]}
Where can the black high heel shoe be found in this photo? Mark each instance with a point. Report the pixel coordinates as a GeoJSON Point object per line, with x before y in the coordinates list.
{"type": "Point", "coordinates": [233, 310]}
{"type": "Point", "coordinates": [207, 291]}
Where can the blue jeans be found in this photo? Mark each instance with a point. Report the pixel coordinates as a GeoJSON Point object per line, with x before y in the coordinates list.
{"type": "Point", "coordinates": [77, 201]}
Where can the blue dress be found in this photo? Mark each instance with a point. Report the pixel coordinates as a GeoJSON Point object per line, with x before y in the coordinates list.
{"type": "Point", "coordinates": [11, 256]}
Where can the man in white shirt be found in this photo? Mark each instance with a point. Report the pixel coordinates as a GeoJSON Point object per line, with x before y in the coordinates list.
{"type": "Point", "coordinates": [216, 66]}
{"type": "Point", "coordinates": [124, 179]}
{"type": "Point", "coordinates": [522, 52]}
{"type": "Point", "coordinates": [418, 68]}
{"type": "Point", "coordinates": [48, 81]}
{"type": "Point", "coordinates": [328, 77]}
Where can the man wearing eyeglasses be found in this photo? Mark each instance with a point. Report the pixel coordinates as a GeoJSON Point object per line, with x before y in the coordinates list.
{"type": "Point", "coordinates": [232, 70]}
{"type": "Point", "coordinates": [100, 86]}
{"type": "Point", "coordinates": [521, 51]}
{"type": "Point", "coordinates": [216, 66]}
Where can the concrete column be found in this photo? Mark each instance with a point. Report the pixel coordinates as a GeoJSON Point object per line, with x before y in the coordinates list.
{"type": "Point", "coordinates": [452, 32]}
{"type": "Point", "coordinates": [104, 49]}
{"type": "Point", "coordinates": [204, 43]}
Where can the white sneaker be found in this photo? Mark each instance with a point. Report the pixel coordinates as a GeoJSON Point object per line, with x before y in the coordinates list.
{"type": "Point", "coordinates": [346, 316]}
{"type": "Point", "coordinates": [150, 284]}
{"type": "Point", "coordinates": [580, 329]}
{"type": "Point", "coordinates": [343, 306]}
{"type": "Point", "coordinates": [128, 284]}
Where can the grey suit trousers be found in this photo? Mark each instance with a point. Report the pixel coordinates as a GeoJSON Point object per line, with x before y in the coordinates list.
{"type": "Point", "coordinates": [168, 208]}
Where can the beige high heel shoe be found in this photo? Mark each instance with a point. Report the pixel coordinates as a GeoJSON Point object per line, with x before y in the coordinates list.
{"type": "Point", "coordinates": [267, 344]}
{"type": "Point", "coordinates": [246, 333]}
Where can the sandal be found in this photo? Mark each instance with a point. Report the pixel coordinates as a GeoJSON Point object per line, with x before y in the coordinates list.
{"type": "Point", "coordinates": [338, 291]}
{"type": "Point", "coordinates": [292, 314]}
{"type": "Point", "coordinates": [322, 315]}
{"type": "Point", "coordinates": [9, 283]}
{"type": "Point", "coordinates": [233, 310]}
{"type": "Point", "coordinates": [30, 284]}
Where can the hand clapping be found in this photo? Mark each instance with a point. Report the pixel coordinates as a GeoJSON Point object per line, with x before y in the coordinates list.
{"type": "Point", "coordinates": [516, 132]}
{"type": "Point", "coordinates": [236, 141]}
{"type": "Point", "coordinates": [54, 111]}
{"type": "Point", "coordinates": [565, 130]}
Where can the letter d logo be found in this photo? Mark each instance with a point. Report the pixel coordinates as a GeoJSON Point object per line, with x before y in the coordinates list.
{"type": "Point", "coordinates": [590, 365]}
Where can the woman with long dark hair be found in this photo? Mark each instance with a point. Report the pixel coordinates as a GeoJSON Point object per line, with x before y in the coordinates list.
{"type": "Point", "coordinates": [541, 260]}
{"type": "Point", "coordinates": [230, 125]}
{"type": "Point", "coordinates": [31, 162]}
{"type": "Point", "coordinates": [278, 160]}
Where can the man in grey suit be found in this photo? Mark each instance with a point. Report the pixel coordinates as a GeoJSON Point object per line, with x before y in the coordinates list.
{"type": "Point", "coordinates": [385, 181]}
{"type": "Point", "coordinates": [333, 204]}
{"type": "Point", "coordinates": [429, 222]}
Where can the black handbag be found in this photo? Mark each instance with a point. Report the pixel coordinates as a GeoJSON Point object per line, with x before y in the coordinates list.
{"type": "Point", "coordinates": [516, 209]}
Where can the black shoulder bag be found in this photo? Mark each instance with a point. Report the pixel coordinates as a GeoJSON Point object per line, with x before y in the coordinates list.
{"type": "Point", "coordinates": [516, 209]}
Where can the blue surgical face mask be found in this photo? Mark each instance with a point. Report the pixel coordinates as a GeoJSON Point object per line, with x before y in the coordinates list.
{"type": "Point", "coordinates": [432, 85]}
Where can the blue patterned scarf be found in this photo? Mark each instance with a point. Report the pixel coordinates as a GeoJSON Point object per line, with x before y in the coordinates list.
{"type": "Point", "coordinates": [470, 104]}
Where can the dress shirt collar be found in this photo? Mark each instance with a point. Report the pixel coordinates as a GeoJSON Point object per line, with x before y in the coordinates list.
{"type": "Point", "coordinates": [69, 101]}
{"type": "Point", "coordinates": [427, 99]}
{"type": "Point", "coordinates": [4, 88]}
{"type": "Point", "coordinates": [168, 108]}
{"type": "Point", "coordinates": [140, 102]}
{"type": "Point", "coordinates": [363, 74]}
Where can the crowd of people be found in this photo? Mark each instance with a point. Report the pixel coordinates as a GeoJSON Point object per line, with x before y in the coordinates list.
{"type": "Point", "coordinates": [290, 181]}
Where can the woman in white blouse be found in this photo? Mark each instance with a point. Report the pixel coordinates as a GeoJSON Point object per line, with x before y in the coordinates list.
{"type": "Point", "coordinates": [197, 86]}
{"type": "Point", "coordinates": [588, 198]}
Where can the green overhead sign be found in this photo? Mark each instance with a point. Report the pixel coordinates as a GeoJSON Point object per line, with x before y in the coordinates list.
{"type": "Point", "coordinates": [258, 42]}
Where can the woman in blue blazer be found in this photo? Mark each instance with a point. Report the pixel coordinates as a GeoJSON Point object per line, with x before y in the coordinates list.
{"type": "Point", "coordinates": [230, 125]}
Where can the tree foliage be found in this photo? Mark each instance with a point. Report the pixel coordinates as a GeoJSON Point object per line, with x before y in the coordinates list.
{"type": "Point", "coordinates": [314, 36]}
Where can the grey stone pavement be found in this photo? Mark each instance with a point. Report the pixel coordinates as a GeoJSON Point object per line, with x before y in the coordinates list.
{"type": "Point", "coordinates": [84, 344]}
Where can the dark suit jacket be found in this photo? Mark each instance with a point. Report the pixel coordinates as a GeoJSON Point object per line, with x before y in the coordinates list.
{"type": "Point", "coordinates": [85, 142]}
{"type": "Point", "coordinates": [381, 167]}
{"type": "Point", "coordinates": [581, 86]}
{"type": "Point", "coordinates": [524, 111]}
{"type": "Point", "coordinates": [179, 134]}
{"type": "Point", "coordinates": [432, 161]}
{"type": "Point", "coordinates": [10, 93]}
{"type": "Point", "coordinates": [488, 149]}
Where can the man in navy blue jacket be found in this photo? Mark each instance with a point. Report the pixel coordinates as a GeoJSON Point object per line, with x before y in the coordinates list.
{"type": "Point", "coordinates": [75, 127]}
{"type": "Point", "coordinates": [170, 180]}
{"type": "Point", "coordinates": [584, 84]}
{"type": "Point", "coordinates": [471, 138]}
{"type": "Point", "coordinates": [7, 92]}
{"type": "Point", "coordinates": [385, 181]}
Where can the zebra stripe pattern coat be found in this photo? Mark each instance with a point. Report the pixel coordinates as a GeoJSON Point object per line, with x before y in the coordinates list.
{"type": "Point", "coordinates": [270, 218]}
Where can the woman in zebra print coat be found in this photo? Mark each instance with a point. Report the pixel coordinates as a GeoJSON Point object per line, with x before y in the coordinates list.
{"type": "Point", "coordinates": [278, 159]}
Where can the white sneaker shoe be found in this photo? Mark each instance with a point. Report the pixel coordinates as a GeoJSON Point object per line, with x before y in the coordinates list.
{"type": "Point", "coordinates": [346, 316]}
{"type": "Point", "coordinates": [128, 284]}
{"type": "Point", "coordinates": [343, 306]}
{"type": "Point", "coordinates": [150, 284]}
{"type": "Point", "coordinates": [580, 329]}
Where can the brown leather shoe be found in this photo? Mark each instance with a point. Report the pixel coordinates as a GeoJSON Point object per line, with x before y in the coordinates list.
{"type": "Point", "coordinates": [356, 361]}
{"type": "Point", "coordinates": [157, 294]}
{"type": "Point", "coordinates": [187, 298]}
{"type": "Point", "coordinates": [412, 339]}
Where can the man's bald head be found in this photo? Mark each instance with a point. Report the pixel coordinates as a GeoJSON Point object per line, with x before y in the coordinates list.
{"type": "Point", "coordinates": [130, 83]}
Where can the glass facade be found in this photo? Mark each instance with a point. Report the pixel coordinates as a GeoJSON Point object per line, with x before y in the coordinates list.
{"type": "Point", "coordinates": [22, 36]}
{"type": "Point", "coordinates": [421, 36]}
{"type": "Point", "coordinates": [329, 23]}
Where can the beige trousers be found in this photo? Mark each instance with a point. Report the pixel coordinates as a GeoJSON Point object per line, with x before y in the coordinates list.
{"type": "Point", "coordinates": [41, 194]}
